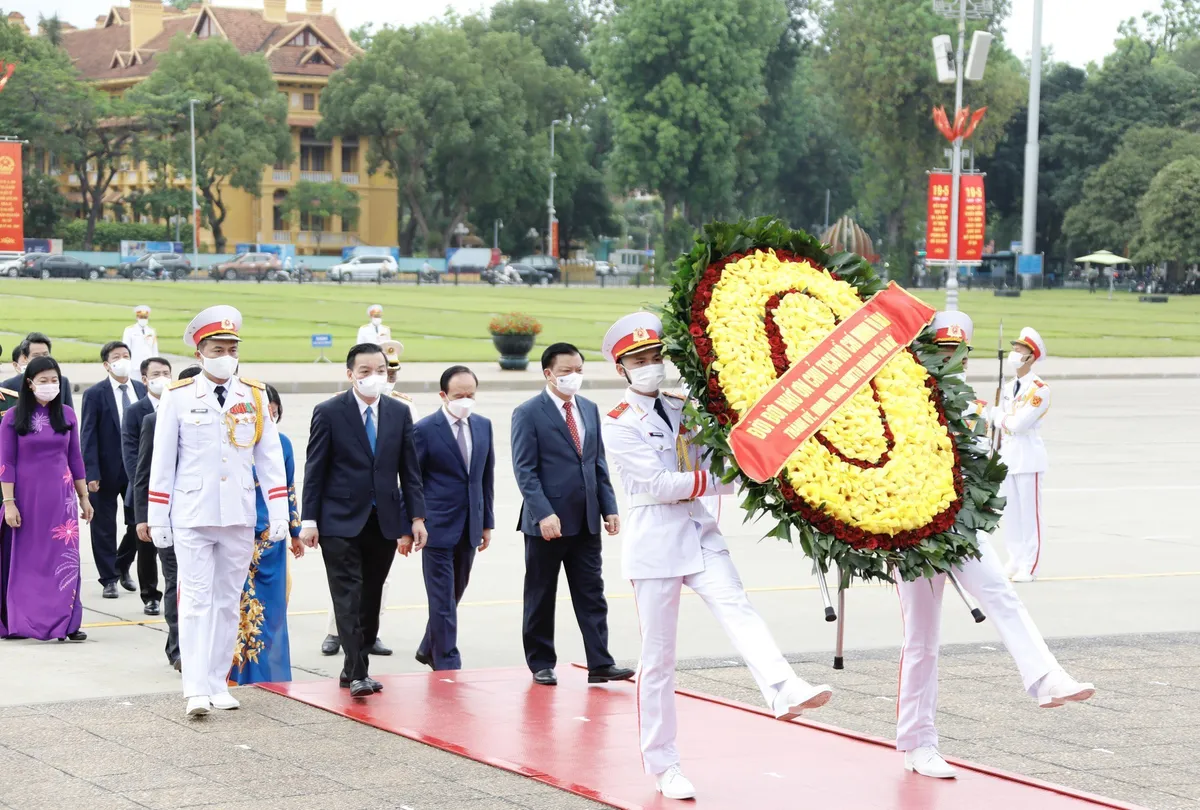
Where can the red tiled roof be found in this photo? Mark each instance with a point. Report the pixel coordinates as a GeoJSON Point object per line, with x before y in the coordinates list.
{"type": "Point", "coordinates": [92, 49]}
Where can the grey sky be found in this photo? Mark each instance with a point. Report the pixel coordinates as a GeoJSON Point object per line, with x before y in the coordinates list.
{"type": "Point", "coordinates": [1079, 31]}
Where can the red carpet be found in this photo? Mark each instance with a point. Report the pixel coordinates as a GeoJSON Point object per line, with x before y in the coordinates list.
{"type": "Point", "coordinates": [585, 740]}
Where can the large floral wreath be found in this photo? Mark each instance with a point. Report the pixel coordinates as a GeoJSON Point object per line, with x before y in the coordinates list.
{"type": "Point", "coordinates": [894, 480]}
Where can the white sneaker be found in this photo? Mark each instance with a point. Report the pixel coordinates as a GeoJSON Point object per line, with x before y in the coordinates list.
{"type": "Point", "coordinates": [198, 706]}
{"type": "Point", "coordinates": [1023, 576]}
{"type": "Point", "coordinates": [672, 784]}
{"type": "Point", "coordinates": [225, 701]}
{"type": "Point", "coordinates": [1058, 688]}
{"type": "Point", "coordinates": [798, 695]}
{"type": "Point", "coordinates": [928, 762]}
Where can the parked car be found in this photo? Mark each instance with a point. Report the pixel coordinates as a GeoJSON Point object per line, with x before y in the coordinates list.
{"type": "Point", "coordinates": [10, 264]}
{"type": "Point", "coordinates": [47, 265]}
{"type": "Point", "coordinates": [603, 268]}
{"type": "Point", "coordinates": [364, 268]}
{"type": "Point", "coordinates": [473, 260]}
{"type": "Point", "coordinates": [529, 274]}
{"type": "Point", "coordinates": [157, 265]}
{"type": "Point", "coordinates": [547, 264]}
{"type": "Point", "coordinates": [245, 265]}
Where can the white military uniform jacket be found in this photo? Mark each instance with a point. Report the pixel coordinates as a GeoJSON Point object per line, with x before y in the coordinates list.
{"type": "Point", "coordinates": [1019, 420]}
{"type": "Point", "coordinates": [205, 456]}
{"type": "Point", "coordinates": [370, 333]}
{"type": "Point", "coordinates": [664, 475]}
{"type": "Point", "coordinates": [143, 344]}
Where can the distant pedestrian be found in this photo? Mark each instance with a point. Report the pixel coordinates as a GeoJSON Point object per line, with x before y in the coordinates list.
{"type": "Point", "coordinates": [140, 337]}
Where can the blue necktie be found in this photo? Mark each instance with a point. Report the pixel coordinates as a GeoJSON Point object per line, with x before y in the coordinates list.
{"type": "Point", "coordinates": [370, 426]}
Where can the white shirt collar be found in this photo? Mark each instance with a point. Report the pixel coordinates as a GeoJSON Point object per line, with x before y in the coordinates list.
{"type": "Point", "coordinates": [116, 386]}
{"type": "Point", "coordinates": [559, 401]}
{"type": "Point", "coordinates": [644, 401]}
{"type": "Point", "coordinates": [362, 405]}
{"type": "Point", "coordinates": [452, 419]}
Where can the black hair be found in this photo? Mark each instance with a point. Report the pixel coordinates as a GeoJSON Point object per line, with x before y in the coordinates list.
{"type": "Point", "coordinates": [37, 337]}
{"type": "Point", "coordinates": [145, 368]}
{"type": "Point", "coordinates": [18, 351]}
{"type": "Point", "coordinates": [112, 346]}
{"type": "Point", "coordinates": [556, 349]}
{"type": "Point", "coordinates": [189, 372]}
{"type": "Point", "coordinates": [27, 402]}
{"type": "Point", "coordinates": [273, 396]}
{"type": "Point", "coordinates": [452, 372]}
{"type": "Point", "coordinates": [363, 348]}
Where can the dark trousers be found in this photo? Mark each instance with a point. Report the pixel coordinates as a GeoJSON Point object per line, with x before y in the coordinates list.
{"type": "Point", "coordinates": [170, 599]}
{"type": "Point", "coordinates": [447, 572]}
{"type": "Point", "coordinates": [356, 568]}
{"type": "Point", "coordinates": [579, 556]}
{"type": "Point", "coordinates": [104, 533]}
{"type": "Point", "coordinates": [147, 560]}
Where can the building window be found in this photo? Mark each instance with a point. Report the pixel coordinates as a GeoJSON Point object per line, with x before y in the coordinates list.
{"type": "Point", "coordinates": [310, 101]}
{"type": "Point", "coordinates": [295, 99]}
{"type": "Point", "coordinates": [314, 158]}
{"type": "Point", "coordinates": [205, 29]}
{"type": "Point", "coordinates": [349, 159]}
{"type": "Point", "coordinates": [278, 220]}
{"type": "Point", "coordinates": [317, 59]}
{"type": "Point", "coordinates": [312, 222]}
{"type": "Point", "coordinates": [305, 39]}
{"type": "Point", "coordinates": [350, 224]}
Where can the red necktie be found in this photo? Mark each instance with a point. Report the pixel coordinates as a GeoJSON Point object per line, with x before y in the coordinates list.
{"type": "Point", "coordinates": [572, 428]}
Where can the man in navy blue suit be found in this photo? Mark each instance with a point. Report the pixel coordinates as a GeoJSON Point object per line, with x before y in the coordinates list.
{"type": "Point", "coordinates": [454, 448]}
{"type": "Point", "coordinates": [558, 460]}
{"type": "Point", "coordinates": [104, 407]}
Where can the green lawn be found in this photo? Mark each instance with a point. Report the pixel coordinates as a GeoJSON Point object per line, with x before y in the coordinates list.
{"type": "Point", "coordinates": [445, 323]}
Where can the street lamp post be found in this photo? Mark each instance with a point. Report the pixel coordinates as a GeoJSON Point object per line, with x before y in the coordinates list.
{"type": "Point", "coordinates": [195, 208]}
{"type": "Point", "coordinates": [496, 226]}
{"type": "Point", "coordinates": [1029, 207]}
{"type": "Point", "coordinates": [550, 199]}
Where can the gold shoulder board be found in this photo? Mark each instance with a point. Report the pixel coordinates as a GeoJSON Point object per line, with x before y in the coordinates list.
{"type": "Point", "coordinates": [261, 386]}
{"type": "Point", "coordinates": [674, 395]}
{"type": "Point", "coordinates": [181, 383]}
{"type": "Point", "coordinates": [402, 396]}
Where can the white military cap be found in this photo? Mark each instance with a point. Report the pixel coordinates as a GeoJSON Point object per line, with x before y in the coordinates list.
{"type": "Point", "coordinates": [373, 309]}
{"type": "Point", "coordinates": [140, 308]}
{"type": "Point", "coordinates": [633, 333]}
{"type": "Point", "coordinates": [392, 349]}
{"type": "Point", "coordinates": [222, 321]}
{"type": "Point", "coordinates": [951, 328]}
{"type": "Point", "coordinates": [1033, 341]}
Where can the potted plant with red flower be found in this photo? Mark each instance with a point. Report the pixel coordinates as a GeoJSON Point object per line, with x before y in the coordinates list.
{"type": "Point", "coordinates": [513, 335]}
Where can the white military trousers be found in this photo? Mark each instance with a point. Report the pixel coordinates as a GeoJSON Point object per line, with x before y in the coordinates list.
{"type": "Point", "coordinates": [1023, 520]}
{"type": "Point", "coordinates": [213, 562]}
{"type": "Point", "coordinates": [658, 614]}
{"type": "Point", "coordinates": [921, 606]}
{"type": "Point", "coordinates": [331, 625]}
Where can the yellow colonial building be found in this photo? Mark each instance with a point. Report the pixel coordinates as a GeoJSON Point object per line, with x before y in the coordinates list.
{"type": "Point", "coordinates": [303, 51]}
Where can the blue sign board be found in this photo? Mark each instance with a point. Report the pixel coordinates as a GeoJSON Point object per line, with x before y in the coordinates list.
{"type": "Point", "coordinates": [1029, 265]}
{"type": "Point", "coordinates": [322, 341]}
{"type": "Point", "coordinates": [37, 245]}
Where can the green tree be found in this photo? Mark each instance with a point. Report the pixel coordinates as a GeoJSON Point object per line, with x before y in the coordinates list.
{"type": "Point", "coordinates": [558, 28]}
{"type": "Point", "coordinates": [241, 121]}
{"type": "Point", "coordinates": [317, 203]}
{"type": "Point", "coordinates": [44, 204]}
{"type": "Point", "coordinates": [1170, 214]}
{"type": "Point", "coordinates": [685, 82]}
{"type": "Point", "coordinates": [98, 133]}
{"type": "Point", "coordinates": [51, 28]}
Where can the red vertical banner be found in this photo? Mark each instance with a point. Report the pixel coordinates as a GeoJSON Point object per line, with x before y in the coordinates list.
{"type": "Point", "coordinates": [972, 218]}
{"type": "Point", "coordinates": [12, 215]}
{"type": "Point", "coordinates": [937, 228]}
{"type": "Point", "coordinates": [554, 238]}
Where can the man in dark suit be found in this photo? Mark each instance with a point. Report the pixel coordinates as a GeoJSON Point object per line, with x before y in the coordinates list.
{"type": "Point", "coordinates": [360, 447]}
{"type": "Point", "coordinates": [104, 408]}
{"type": "Point", "coordinates": [558, 460]}
{"type": "Point", "coordinates": [141, 509]}
{"type": "Point", "coordinates": [156, 373]}
{"type": "Point", "coordinates": [34, 345]}
{"type": "Point", "coordinates": [454, 448]}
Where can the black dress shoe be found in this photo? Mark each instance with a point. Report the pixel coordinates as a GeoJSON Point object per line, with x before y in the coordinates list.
{"type": "Point", "coordinates": [127, 582]}
{"type": "Point", "coordinates": [422, 658]}
{"type": "Point", "coordinates": [110, 590]}
{"type": "Point", "coordinates": [177, 665]}
{"type": "Point", "coordinates": [151, 608]}
{"type": "Point", "coordinates": [545, 677]}
{"type": "Point", "coordinates": [330, 645]}
{"type": "Point", "coordinates": [362, 688]}
{"type": "Point", "coordinates": [612, 672]}
{"type": "Point", "coordinates": [375, 685]}
{"type": "Point", "coordinates": [380, 648]}
{"type": "Point", "coordinates": [78, 635]}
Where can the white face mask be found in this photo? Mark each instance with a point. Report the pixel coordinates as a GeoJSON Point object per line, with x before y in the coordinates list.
{"type": "Point", "coordinates": [1014, 361]}
{"type": "Point", "coordinates": [120, 368]}
{"type": "Point", "coordinates": [646, 379]}
{"type": "Point", "coordinates": [460, 408]}
{"type": "Point", "coordinates": [46, 392]}
{"type": "Point", "coordinates": [569, 384]}
{"type": "Point", "coordinates": [372, 386]}
{"type": "Point", "coordinates": [157, 385]}
{"type": "Point", "coordinates": [376, 320]}
{"type": "Point", "coordinates": [220, 368]}
{"type": "Point", "coordinates": [143, 321]}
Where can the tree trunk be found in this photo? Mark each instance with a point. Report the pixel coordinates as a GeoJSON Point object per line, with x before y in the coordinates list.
{"type": "Point", "coordinates": [216, 217]}
{"type": "Point", "coordinates": [668, 208]}
{"type": "Point", "coordinates": [414, 206]}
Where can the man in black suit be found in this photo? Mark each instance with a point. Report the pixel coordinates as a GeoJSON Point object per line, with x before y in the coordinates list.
{"type": "Point", "coordinates": [360, 448]}
{"type": "Point", "coordinates": [104, 407]}
{"type": "Point", "coordinates": [558, 460]}
{"type": "Point", "coordinates": [141, 509]}
{"type": "Point", "coordinates": [156, 373]}
{"type": "Point", "coordinates": [34, 345]}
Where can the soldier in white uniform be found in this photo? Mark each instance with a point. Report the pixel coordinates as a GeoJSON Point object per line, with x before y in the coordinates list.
{"type": "Point", "coordinates": [141, 338]}
{"type": "Point", "coordinates": [921, 605]}
{"type": "Point", "coordinates": [670, 539]}
{"type": "Point", "coordinates": [374, 331]}
{"type": "Point", "coordinates": [212, 430]}
{"type": "Point", "coordinates": [1018, 421]}
{"type": "Point", "coordinates": [392, 350]}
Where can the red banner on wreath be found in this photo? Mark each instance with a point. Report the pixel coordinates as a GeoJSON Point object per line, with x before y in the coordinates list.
{"type": "Point", "coordinates": [937, 227]}
{"type": "Point", "coordinates": [12, 218]}
{"type": "Point", "coordinates": [812, 390]}
{"type": "Point", "coordinates": [972, 218]}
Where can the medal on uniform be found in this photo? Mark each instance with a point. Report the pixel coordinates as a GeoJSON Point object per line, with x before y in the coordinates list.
{"type": "Point", "coordinates": [245, 414]}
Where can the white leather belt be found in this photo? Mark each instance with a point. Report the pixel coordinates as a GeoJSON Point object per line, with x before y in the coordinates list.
{"type": "Point", "coordinates": [646, 499]}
